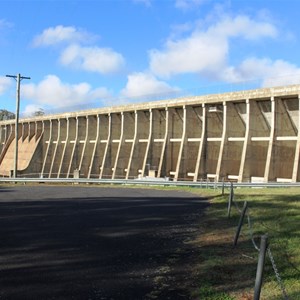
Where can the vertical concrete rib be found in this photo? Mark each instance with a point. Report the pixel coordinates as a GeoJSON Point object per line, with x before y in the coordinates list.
{"type": "Point", "coordinates": [95, 147]}
{"type": "Point", "coordinates": [246, 142]}
{"type": "Point", "coordinates": [47, 150]}
{"type": "Point", "coordinates": [297, 150]}
{"type": "Point", "coordinates": [271, 141]}
{"type": "Point", "coordinates": [202, 141]}
{"type": "Point", "coordinates": [1, 138]}
{"type": "Point", "coordinates": [223, 140]}
{"type": "Point", "coordinates": [164, 144]}
{"type": "Point", "coordinates": [74, 147]}
{"type": "Point", "coordinates": [148, 142]}
{"type": "Point", "coordinates": [133, 144]}
{"type": "Point", "coordinates": [119, 146]}
{"type": "Point", "coordinates": [84, 142]}
{"type": "Point", "coordinates": [181, 144]}
{"type": "Point", "coordinates": [55, 149]}
{"type": "Point", "coordinates": [108, 141]}
{"type": "Point", "coordinates": [66, 141]}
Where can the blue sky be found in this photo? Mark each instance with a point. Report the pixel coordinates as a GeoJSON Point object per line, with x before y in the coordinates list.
{"type": "Point", "coordinates": [82, 54]}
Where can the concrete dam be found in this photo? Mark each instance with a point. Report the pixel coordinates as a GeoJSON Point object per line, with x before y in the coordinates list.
{"type": "Point", "coordinates": [244, 136]}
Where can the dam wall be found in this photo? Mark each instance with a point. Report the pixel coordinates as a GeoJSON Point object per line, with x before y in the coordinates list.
{"type": "Point", "coordinates": [245, 136]}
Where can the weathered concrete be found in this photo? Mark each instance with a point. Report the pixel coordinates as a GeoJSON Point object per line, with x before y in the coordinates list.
{"type": "Point", "coordinates": [243, 136]}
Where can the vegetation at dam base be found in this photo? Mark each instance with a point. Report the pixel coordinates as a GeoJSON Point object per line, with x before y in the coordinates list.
{"type": "Point", "coordinates": [228, 272]}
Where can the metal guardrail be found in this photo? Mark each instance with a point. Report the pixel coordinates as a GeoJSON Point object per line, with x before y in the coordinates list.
{"type": "Point", "coordinates": [156, 182]}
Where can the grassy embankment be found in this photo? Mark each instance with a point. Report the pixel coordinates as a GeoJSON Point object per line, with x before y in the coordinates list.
{"type": "Point", "coordinates": [226, 272]}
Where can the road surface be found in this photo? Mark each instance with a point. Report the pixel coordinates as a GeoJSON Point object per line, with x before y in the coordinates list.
{"type": "Point", "coordinates": [74, 242]}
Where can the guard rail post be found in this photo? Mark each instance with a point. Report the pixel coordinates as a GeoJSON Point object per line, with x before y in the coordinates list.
{"type": "Point", "coordinates": [260, 266]}
{"type": "Point", "coordinates": [240, 223]}
{"type": "Point", "coordinates": [223, 186]}
{"type": "Point", "coordinates": [230, 199]}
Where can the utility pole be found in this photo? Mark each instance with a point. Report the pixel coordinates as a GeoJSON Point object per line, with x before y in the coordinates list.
{"type": "Point", "coordinates": [18, 78]}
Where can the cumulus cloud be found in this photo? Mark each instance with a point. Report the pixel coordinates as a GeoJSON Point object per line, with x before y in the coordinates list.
{"type": "Point", "coordinates": [271, 73]}
{"type": "Point", "coordinates": [94, 59]}
{"type": "Point", "coordinates": [52, 92]}
{"type": "Point", "coordinates": [205, 51]}
{"type": "Point", "coordinates": [5, 83]}
{"type": "Point", "coordinates": [73, 54]}
{"type": "Point", "coordinates": [61, 34]}
{"type": "Point", "coordinates": [143, 84]}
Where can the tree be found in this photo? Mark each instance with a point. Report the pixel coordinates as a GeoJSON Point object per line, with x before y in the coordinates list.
{"type": "Point", "coordinates": [6, 115]}
{"type": "Point", "coordinates": [39, 112]}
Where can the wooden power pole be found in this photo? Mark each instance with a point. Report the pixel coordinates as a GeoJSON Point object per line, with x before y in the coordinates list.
{"type": "Point", "coordinates": [18, 78]}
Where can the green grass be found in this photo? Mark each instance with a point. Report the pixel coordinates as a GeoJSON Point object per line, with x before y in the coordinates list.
{"type": "Point", "coordinates": [228, 272]}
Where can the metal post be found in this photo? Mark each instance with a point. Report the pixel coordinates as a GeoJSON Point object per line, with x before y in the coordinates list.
{"type": "Point", "coordinates": [240, 223]}
{"type": "Point", "coordinates": [223, 186]}
{"type": "Point", "coordinates": [260, 266]}
{"type": "Point", "coordinates": [18, 78]}
{"type": "Point", "coordinates": [230, 200]}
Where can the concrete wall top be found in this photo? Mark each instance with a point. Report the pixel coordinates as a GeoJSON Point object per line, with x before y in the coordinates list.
{"type": "Point", "coordinates": [262, 93]}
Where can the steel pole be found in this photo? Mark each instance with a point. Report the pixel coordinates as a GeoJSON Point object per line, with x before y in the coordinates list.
{"type": "Point", "coordinates": [260, 266]}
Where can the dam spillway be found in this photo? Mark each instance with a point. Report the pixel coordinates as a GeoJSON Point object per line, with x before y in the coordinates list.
{"type": "Point", "coordinates": [244, 136]}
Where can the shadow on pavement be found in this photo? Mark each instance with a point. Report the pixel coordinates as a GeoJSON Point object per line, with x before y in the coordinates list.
{"type": "Point", "coordinates": [97, 243]}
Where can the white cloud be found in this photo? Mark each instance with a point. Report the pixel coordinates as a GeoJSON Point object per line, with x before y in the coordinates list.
{"type": "Point", "coordinates": [143, 84]}
{"type": "Point", "coordinates": [61, 34]}
{"type": "Point", "coordinates": [5, 83]}
{"type": "Point", "coordinates": [197, 53]}
{"type": "Point", "coordinates": [188, 4]}
{"type": "Point", "coordinates": [95, 59]}
{"type": "Point", "coordinates": [206, 50]}
{"type": "Point", "coordinates": [30, 110]}
{"type": "Point", "coordinates": [243, 26]}
{"type": "Point", "coordinates": [52, 92]}
{"type": "Point", "coordinates": [271, 73]}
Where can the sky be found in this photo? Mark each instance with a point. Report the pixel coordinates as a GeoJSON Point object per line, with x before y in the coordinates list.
{"type": "Point", "coordinates": [99, 53]}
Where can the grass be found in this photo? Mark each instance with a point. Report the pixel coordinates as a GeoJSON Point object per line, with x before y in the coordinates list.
{"type": "Point", "coordinates": [227, 272]}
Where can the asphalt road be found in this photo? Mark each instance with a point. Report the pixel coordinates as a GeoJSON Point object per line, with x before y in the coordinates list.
{"type": "Point", "coordinates": [97, 243]}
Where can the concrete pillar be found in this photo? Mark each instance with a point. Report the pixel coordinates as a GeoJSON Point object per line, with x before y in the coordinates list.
{"type": "Point", "coordinates": [48, 142]}
{"type": "Point", "coordinates": [119, 147]}
{"type": "Point", "coordinates": [74, 142]}
{"type": "Point", "coordinates": [149, 141]}
{"type": "Point", "coordinates": [200, 160]}
{"type": "Point", "coordinates": [56, 142]}
{"type": "Point", "coordinates": [246, 142]}
{"type": "Point", "coordinates": [182, 143]}
{"type": "Point", "coordinates": [159, 171]}
{"type": "Point", "coordinates": [39, 130]}
{"type": "Point", "coordinates": [271, 141]}
{"type": "Point", "coordinates": [84, 142]}
{"type": "Point", "coordinates": [222, 143]}
{"type": "Point", "coordinates": [134, 141]}
{"type": "Point", "coordinates": [107, 145]}
{"type": "Point", "coordinates": [65, 143]}
{"type": "Point", "coordinates": [297, 149]}
{"type": "Point", "coordinates": [96, 143]}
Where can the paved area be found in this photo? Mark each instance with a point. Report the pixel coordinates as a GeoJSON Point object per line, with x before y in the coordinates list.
{"type": "Point", "coordinates": [97, 243]}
